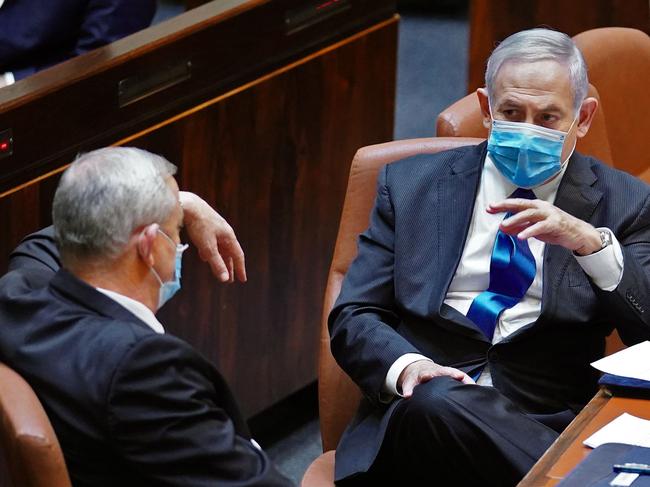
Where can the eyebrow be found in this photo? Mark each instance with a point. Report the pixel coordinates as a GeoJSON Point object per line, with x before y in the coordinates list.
{"type": "Point", "coordinates": [516, 103]}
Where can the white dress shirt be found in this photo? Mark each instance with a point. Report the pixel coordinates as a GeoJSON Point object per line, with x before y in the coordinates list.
{"type": "Point", "coordinates": [473, 273]}
{"type": "Point", "coordinates": [135, 307]}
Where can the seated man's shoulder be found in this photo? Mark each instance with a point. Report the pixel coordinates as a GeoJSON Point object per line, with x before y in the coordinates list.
{"type": "Point", "coordinates": [617, 180]}
{"type": "Point", "coordinates": [120, 337]}
{"type": "Point", "coordinates": [437, 162]}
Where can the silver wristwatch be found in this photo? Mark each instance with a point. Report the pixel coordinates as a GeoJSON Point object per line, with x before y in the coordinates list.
{"type": "Point", "coordinates": [605, 238]}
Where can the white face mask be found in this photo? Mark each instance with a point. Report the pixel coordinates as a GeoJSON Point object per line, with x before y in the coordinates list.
{"type": "Point", "coordinates": [169, 288]}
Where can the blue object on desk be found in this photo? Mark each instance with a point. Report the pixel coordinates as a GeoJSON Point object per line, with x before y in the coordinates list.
{"type": "Point", "coordinates": [625, 386]}
{"type": "Point", "coordinates": [640, 468]}
{"type": "Point", "coordinates": [597, 469]}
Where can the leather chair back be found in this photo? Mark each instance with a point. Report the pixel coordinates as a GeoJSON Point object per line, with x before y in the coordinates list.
{"type": "Point", "coordinates": [338, 395]}
{"type": "Point", "coordinates": [32, 454]}
{"type": "Point", "coordinates": [464, 119]}
{"type": "Point", "coordinates": [618, 59]}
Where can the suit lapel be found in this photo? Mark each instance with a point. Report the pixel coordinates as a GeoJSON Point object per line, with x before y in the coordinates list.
{"type": "Point", "coordinates": [454, 216]}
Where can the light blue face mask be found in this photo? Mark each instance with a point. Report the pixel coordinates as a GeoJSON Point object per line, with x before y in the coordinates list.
{"type": "Point", "coordinates": [526, 154]}
{"type": "Point", "coordinates": [169, 288]}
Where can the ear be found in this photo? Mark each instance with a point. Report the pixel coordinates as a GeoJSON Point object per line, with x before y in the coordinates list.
{"type": "Point", "coordinates": [484, 103]}
{"type": "Point", "coordinates": [145, 243]}
{"type": "Point", "coordinates": [586, 116]}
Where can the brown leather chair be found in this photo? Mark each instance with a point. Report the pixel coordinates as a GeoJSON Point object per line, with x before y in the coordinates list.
{"type": "Point", "coordinates": [338, 396]}
{"type": "Point", "coordinates": [618, 59]}
{"type": "Point", "coordinates": [464, 119]}
{"type": "Point", "coordinates": [32, 454]}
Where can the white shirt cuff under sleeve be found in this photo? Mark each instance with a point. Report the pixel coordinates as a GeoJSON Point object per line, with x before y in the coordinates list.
{"type": "Point", "coordinates": [390, 384]}
{"type": "Point", "coordinates": [606, 266]}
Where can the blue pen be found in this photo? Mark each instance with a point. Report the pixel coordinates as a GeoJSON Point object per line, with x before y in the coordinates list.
{"type": "Point", "coordinates": [641, 468]}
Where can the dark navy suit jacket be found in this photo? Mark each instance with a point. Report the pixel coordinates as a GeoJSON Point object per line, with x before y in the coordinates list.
{"type": "Point", "coordinates": [35, 34]}
{"type": "Point", "coordinates": [391, 302]}
{"type": "Point", "coordinates": [129, 406]}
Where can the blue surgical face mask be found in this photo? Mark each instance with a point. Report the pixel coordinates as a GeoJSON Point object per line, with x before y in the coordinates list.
{"type": "Point", "coordinates": [169, 288]}
{"type": "Point", "coordinates": [526, 154]}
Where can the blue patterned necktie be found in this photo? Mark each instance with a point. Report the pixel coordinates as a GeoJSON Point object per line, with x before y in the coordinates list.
{"type": "Point", "coordinates": [512, 271]}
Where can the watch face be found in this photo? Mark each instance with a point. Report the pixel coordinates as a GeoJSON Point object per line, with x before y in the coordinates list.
{"type": "Point", "coordinates": [605, 239]}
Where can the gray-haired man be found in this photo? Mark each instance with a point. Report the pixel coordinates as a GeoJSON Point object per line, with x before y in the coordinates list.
{"type": "Point", "coordinates": [504, 265]}
{"type": "Point", "coordinates": [130, 404]}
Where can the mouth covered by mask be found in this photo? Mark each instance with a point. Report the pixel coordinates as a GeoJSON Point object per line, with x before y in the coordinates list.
{"type": "Point", "coordinates": [526, 154]}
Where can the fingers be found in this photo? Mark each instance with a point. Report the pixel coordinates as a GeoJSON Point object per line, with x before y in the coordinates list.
{"type": "Point", "coordinates": [517, 223]}
{"type": "Point", "coordinates": [211, 255]}
{"type": "Point", "coordinates": [423, 371]}
{"type": "Point", "coordinates": [537, 230]}
{"type": "Point", "coordinates": [467, 379]}
{"type": "Point", "coordinates": [513, 205]}
{"type": "Point", "coordinates": [237, 265]}
{"type": "Point", "coordinates": [215, 239]}
{"type": "Point", "coordinates": [231, 270]}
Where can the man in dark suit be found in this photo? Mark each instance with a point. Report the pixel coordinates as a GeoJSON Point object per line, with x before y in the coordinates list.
{"type": "Point", "coordinates": [487, 282]}
{"type": "Point", "coordinates": [130, 404]}
{"type": "Point", "coordinates": [36, 34]}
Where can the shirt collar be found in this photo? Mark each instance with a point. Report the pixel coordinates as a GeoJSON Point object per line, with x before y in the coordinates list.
{"type": "Point", "coordinates": [135, 307]}
{"type": "Point", "coordinates": [546, 191]}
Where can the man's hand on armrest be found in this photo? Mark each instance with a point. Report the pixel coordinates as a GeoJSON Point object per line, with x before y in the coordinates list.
{"type": "Point", "coordinates": [214, 238]}
{"type": "Point", "coordinates": [425, 370]}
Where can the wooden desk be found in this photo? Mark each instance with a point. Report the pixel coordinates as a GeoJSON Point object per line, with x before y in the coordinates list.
{"type": "Point", "coordinates": [568, 450]}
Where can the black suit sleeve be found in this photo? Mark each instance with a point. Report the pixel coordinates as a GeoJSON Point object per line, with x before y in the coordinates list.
{"type": "Point", "coordinates": [169, 414]}
{"type": "Point", "coordinates": [362, 323]}
{"type": "Point", "coordinates": [36, 259]}
{"type": "Point", "coordinates": [629, 303]}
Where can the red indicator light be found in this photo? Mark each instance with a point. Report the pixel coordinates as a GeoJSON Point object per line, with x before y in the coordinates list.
{"type": "Point", "coordinates": [4, 146]}
{"type": "Point", "coordinates": [326, 4]}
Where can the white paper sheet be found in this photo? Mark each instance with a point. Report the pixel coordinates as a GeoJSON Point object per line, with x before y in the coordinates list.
{"type": "Point", "coordinates": [627, 429]}
{"type": "Point", "coordinates": [631, 362]}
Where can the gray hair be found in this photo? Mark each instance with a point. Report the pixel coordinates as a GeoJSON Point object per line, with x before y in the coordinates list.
{"type": "Point", "coordinates": [541, 45]}
{"type": "Point", "coordinates": [104, 196]}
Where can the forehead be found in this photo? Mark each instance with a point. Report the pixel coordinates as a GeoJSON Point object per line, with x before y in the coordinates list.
{"type": "Point", "coordinates": [546, 81]}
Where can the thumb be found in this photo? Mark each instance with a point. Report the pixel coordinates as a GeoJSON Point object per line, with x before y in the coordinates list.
{"type": "Point", "coordinates": [410, 381]}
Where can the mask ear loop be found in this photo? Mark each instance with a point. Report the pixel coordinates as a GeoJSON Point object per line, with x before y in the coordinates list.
{"type": "Point", "coordinates": [575, 141]}
{"type": "Point", "coordinates": [490, 108]}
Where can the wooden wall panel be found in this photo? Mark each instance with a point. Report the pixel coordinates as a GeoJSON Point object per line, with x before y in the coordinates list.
{"type": "Point", "coordinates": [273, 158]}
{"type": "Point", "coordinates": [492, 21]}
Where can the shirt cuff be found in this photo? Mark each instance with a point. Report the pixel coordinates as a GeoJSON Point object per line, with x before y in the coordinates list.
{"type": "Point", "coordinates": [390, 384]}
{"type": "Point", "coordinates": [605, 267]}
{"type": "Point", "coordinates": [9, 78]}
